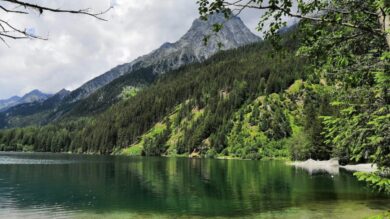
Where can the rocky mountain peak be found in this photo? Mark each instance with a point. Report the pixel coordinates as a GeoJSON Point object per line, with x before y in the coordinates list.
{"type": "Point", "coordinates": [34, 95]}
{"type": "Point", "coordinates": [62, 94]}
{"type": "Point", "coordinates": [191, 47]}
{"type": "Point", "coordinates": [233, 34]}
{"type": "Point", "coordinates": [188, 49]}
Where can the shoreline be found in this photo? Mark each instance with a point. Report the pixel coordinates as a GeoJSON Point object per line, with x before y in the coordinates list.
{"type": "Point", "coordinates": [331, 166]}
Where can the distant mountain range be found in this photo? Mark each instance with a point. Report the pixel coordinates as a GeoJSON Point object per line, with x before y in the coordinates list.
{"type": "Point", "coordinates": [102, 91]}
{"type": "Point", "coordinates": [32, 96]}
{"type": "Point", "coordinates": [12, 101]}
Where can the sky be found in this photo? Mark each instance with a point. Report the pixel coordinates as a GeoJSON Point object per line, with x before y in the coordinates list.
{"type": "Point", "coordinates": [80, 48]}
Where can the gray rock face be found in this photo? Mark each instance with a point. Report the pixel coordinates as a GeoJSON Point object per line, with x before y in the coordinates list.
{"type": "Point", "coordinates": [190, 48]}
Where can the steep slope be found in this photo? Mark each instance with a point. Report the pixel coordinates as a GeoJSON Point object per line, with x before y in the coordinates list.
{"type": "Point", "coordinates": [108, 94]}
{"type": "Point", "coordinates": [190, 48]}
{"type": "Point", "coordinates": [101, 92]}
{"type": "Point", "coordinates": [170, 56]}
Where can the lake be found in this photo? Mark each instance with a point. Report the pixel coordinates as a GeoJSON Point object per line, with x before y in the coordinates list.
{"type": "Point", "coordinates": [81, 186]}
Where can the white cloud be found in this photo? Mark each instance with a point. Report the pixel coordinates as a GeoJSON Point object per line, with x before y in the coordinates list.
{"type": "Point", "coordinates": [81, 47]}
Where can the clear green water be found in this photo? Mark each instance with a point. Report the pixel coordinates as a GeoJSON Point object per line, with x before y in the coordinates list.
{"type": "Point", "coordinates": [74, 186]}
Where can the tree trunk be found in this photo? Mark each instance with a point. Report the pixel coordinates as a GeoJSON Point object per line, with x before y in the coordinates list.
{"type": "Point", "coordinates": [384, 20]}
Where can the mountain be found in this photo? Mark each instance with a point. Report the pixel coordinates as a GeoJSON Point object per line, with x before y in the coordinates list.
{"type": "Point", "coordinates": [188, 49]}
{"type": "Point", "coordinates": [56, 99]}
{"type": "Point", "coordinates": [103, 91]}
{"type": "Point", "coordinates": [6, 103]}
{"type": "Point", "coordinates": [191, 47]}
{"type": "Point", "coordinates": [237, 103]}
{"type": "Point", "coordinates": [32, 96]}
{"type": "Point", "coordinates": [28, 113]}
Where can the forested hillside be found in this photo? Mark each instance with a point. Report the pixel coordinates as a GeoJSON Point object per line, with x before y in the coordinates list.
{"type": "Point", "coordinates": [347, 45]}
{"type": "Point", "coordinates": [195, 105]}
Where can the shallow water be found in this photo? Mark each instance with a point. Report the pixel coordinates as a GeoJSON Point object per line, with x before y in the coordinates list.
{"type": "Point", "coordinates": [75, 186]}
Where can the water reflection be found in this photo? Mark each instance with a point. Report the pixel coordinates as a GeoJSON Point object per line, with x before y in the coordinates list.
{"type": "Point", "coordinates": [67, 184]}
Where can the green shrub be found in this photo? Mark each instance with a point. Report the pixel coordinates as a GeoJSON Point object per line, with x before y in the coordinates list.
{"type": "Point", "coordinates": [211, 153]}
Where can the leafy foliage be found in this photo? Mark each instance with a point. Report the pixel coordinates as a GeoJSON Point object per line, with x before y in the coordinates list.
{"type": "Point", "coordinates": [347, 43]}
{"type": "Point", "coordinates": [374, 180]}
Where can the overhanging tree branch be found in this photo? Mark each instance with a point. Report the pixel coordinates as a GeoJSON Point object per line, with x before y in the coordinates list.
{"type": "Point", "coordinates": [42, 8]}
{"type": "Point", "coordinates": [277, 8]}
{"type": "Point", "coordinates": [12, 11]}
{"type": "Point", "coordinates": [369, 16]}
{"type": "Point", "coordinates": [11, 31]}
